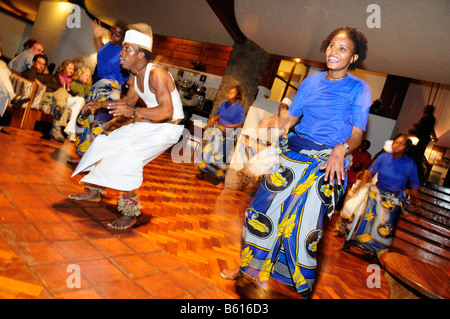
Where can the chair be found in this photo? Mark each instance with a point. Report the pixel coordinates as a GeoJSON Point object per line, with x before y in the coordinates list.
{"type": "Point", "coordinates": [26, 117]}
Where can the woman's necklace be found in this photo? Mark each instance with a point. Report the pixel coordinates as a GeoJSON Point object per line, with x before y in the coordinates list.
{"type": "Point", "coordinates": [338, 78]}
{"type": "Point", "coordinates": [139, 70]}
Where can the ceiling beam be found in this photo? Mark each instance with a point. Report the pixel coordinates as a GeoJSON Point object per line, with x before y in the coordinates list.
{"type": "Point", "coordinates": [14, 8]}
{"type": "Point", "coordinates": [224, 10]}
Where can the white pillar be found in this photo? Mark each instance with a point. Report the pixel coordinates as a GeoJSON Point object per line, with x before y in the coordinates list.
{"type": "Point", "coordinates": [65, 30]}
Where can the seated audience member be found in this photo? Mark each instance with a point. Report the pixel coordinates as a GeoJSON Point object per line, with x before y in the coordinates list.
{"type": "Point", "coordinates": [64, 73]}
{"type": "Point", "coordinates": [24, 60]}
{"type": "Point", "coordinates": [79, 89]}
{"type": "Point", "coordinates": [7, 93]}
{"type": "Point", "coordinates": [37, 72]}
{"type": "Point", "coordinates": [78, 62]}
{"type": "Point", "coordinates": [60, 114]}
{"type": "Point", "coordinates": [28, 44]}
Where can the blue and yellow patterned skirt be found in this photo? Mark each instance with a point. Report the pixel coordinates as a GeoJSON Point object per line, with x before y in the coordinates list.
{"type": "Point", "coordinates": [372, 230]}
{"type": "Point", "coordinates": [283, 224]}
{"type": "Point", "coordinates": [88, 126]}
{"type": "Point", "coordinates": [215, 156]}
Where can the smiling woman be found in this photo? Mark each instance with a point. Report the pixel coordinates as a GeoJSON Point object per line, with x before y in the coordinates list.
{"type": "Point", "coordinates": [344, 49]}
{"type": "Point", "coordinates": [310, 176]}
{"type": "Point", "coordinates": [107, 82]}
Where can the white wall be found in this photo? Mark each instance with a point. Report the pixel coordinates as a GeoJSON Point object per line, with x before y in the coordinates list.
{"type": "Point", "coordinates": [375, 81]}
{"type": "Point", "coordinates": [60, 41]}
{"type": "Point", "coordinates": [13, 33]}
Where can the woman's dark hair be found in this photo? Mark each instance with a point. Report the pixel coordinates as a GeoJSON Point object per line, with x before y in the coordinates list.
{"type": "Point", "coordinates": [239, 92]}
{"type": "Point", "coordinates": [359, 43]}
{"type": "Point", "coordinates": [122, 24]}
{"type": "Point", "coordinates": [36, 57]}
{"type": "Point", "coordinates": [63, 66]}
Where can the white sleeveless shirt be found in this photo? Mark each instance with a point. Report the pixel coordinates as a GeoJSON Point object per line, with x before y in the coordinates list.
{"type": "Point", "coordinates": [150, 99]}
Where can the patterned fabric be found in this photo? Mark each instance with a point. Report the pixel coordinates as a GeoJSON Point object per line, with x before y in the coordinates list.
{"type": "Point", "coordinates": [217, 153]}
{"type": "Point", "coordinates": [88, 126]}
{"type": "Point", "coordinates": [283, 224]}
{"type": "Point", "coordinates": [372, 229]}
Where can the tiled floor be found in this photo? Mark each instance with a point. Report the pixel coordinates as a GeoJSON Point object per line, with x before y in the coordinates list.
{"type": "Point", "coordinates": [43, 235]}
{"type": "Point", "coordinates": [189, 231]}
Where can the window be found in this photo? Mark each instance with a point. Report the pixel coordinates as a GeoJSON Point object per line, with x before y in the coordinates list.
{"type": "Point", "coordinates": [288, 78]}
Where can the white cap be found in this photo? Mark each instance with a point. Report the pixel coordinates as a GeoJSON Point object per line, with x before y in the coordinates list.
{"type": "Point", "coordinates": [138, 38]}
{"type": "Point", "coordinates": [287, 101]}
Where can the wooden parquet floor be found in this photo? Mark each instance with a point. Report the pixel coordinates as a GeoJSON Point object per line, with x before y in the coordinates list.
{"type": "Point", "coordinates": [189, 231]}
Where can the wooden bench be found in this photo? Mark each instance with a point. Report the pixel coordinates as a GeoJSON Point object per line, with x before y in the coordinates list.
{"type": "Point", "coordinates": [421, 246]}
{"type": "Point", "coordinates": [27, 116]}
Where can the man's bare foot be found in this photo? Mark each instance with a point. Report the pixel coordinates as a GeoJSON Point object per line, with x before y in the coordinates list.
{"type": "Point", "coordinates": [91, 196]}
{"type": "Point", "coordinates": [230, 274]}
{"type": "Point", "coordinates": [123, 222]}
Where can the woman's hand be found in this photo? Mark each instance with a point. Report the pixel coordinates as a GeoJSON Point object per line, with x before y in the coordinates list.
{"type": "Point", "coordinates": [97, 27]}
{"type": "Point", "coordinates": [335, 165]}
{"type": "Point", "coordinates": [120, 107]}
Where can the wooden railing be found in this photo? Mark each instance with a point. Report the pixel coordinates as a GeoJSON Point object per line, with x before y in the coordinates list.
{"type": "Point", "coordinates": [424, 232]}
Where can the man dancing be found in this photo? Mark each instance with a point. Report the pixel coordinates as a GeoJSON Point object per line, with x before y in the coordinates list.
{"type": "Point", "coordinates": [117, 160]}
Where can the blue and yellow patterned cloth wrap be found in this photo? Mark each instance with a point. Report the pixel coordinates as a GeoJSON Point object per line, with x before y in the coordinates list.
{"type": "Point", "coordinates": [283, 223]}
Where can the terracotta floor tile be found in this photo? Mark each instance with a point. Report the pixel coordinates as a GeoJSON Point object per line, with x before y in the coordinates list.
{"type": "Point", "coordinates": [162, 286]}
{"type": "Point", "coordinates": [39, 253]}
{"type": "Point", "coordinates": [101, 272]}
{"type": "Point", "coordinates": [21, 289]}
{"type": "Point", "coordinates": [27, 200]}
{"type": "Point", "coordinates": [43, 188]}
{"type": "Point", "coordinates": [52, 197]}
{"type": "Point", "coordinates": [31, 179]}
{"type": "Point", "coordinates": [212, 293]}
{"type": "Point", "coordinates": [79, 293]}
{"type": "Point", "coordinates": [72, 214]}
{"type": "Point", "coordinates": [55, 276]}
{"type": "Point", "coordinates": [102, 213]}
{"type": "Point", "coordinates": [123, 289]}
{"type": "Point", "coordinates": [112, 246]}
{"type": "Point", "coordinates": [140, 244]}
{"type": "Point", "coordinates": [134, 266]}
{"type": "Point", "coordinates": [163, 260]}
{"type": "Point", "coordinates": [20, 232]}
{"type": "Point", "coordinates": [68, 189]}
{"type": "Point", "coordinates": [14, 188]}
{"type": "Point", "coordinates": [19, 271]}
{"type": "Point", "coordinates": [8, 177]}
{"type": "Point", "coordinates": [4, 202]}
{"type": "Point", "coordinates": [190, 281]}
{"type": "Point", "coordinates": [57, 231]}
{"type": "Point", "coordinates": [40, 215]}
{"type": "Point", "coordinates": [77, 250]}
{"type": "Point", "coordinates": [90, 229]}
{"type": "Point", "coordinates": [11, 215]}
